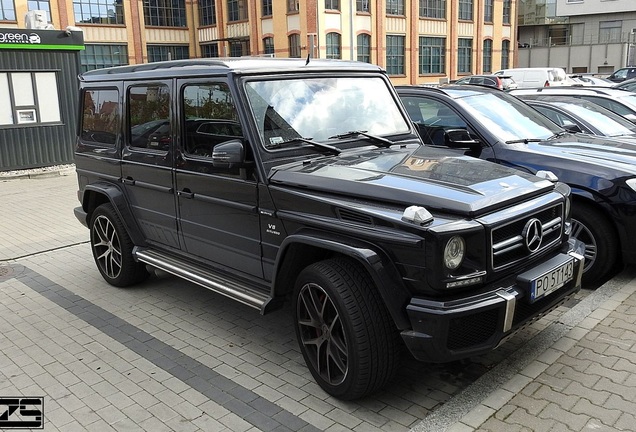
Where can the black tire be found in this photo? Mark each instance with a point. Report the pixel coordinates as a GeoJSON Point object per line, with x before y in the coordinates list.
{"type": "Point", "coordinates": [345, 333]}
{"type": "Point", "coordinates": [601, 242]}
{"type": "Point", "coordinates": [112, 249]}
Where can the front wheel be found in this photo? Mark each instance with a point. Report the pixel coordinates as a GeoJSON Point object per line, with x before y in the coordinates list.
{"type": "Point", "coordinates": [112, 249]}
{"type": "Point", "coordinates": [345, 333]}
{"type": "Point", "coordinates": [601, 242]}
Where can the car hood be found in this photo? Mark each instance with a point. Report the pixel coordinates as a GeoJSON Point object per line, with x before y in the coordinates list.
{"type": "Point", "coordinates": [434, 178]}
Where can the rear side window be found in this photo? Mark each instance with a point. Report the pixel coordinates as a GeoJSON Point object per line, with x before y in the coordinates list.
{"type": "Point", "coordinates": [101, 117]}
{"type": "Point", "coordinates": [149, 117]}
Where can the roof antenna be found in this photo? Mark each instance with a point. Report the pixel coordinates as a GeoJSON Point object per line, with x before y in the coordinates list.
{"type": "Point", "coordinates": [307, 62]}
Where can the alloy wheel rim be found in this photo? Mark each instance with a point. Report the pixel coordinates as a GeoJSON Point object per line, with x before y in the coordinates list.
{"type": "Point", "coordinates": [322, 334]}
{"type": "Point", "coordinates": [107, 247]}
{"type": "Point", "coordinates": [582, 233]}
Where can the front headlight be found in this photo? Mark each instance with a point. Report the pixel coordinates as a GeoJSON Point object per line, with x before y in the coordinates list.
{"type": "Point", "coordinates": [631, 183]}
{"type": "Point", "coordinates": [454, 252]}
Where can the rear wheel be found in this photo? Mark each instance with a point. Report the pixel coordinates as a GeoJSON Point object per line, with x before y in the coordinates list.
{"type": "Point", "coordinates": [345, 333]}
{"type": "Point", "coordinates": [112, 249]}
{"type": "Point", "coordinates": [601, 242]}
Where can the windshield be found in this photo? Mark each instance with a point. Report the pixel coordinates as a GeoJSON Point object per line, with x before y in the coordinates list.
{"type": "Point", "coordinates": [319, 108]}
{"type": "Point", "coordinates": [505, 116]}
{"type": "Point", "coordinates": [604, 120]}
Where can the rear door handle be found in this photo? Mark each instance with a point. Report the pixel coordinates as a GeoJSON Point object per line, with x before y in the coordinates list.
{"type": "Point", "coordinates": [186, 193]}
{"type": "Point", "coordinates": [129, 181]}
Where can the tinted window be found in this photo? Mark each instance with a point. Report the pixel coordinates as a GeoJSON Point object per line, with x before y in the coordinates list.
{"type": "Point", "coordinates": [101, 118]}
{"type": "Point", "coordinates": [149, 111]}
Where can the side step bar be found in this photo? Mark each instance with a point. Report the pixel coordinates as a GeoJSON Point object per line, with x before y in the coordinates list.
{"type": "Point", "coordinates": [241, 293]}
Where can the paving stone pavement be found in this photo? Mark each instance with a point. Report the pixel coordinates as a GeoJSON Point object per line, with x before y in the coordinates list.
{"type": "Point", "coordinates": [168, 355]}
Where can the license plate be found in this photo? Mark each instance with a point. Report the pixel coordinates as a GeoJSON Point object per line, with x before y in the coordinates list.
{"type": "Point", "coordinates": [551, 281]}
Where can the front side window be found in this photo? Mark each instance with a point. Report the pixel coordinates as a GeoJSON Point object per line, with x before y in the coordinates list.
{"type": "Point", "coordinates": [294, 45]}
{"type": "Point", "coordinates": [100, 56]}
{"type": "Point", "coordinates": [207, 12]}
{"type": "Point", "coordinates": [395, 7]}
{"type": "Point", "coordinates": [167, 52]}
{"type": "Point", "coordinates": [43, 5]}
{"type": "Point", "coordinates": [101, 117]}
{"type": "Point", "coordinates": [210, 118]}
{"type": "Point", "coordinates": [363, 6]}
{"type": "Point", "coordinates": [29, 98]}
{"type": "Point", "coordinates": [395, 55]}
{"type": "Point", "coordinates": [318, 108]}
{"type": "Point", "coordinates": [7, 10]}
{"type": "Point", "coordinates": [333, 46]}
{"type": "Point", "coordinates": [489, 10]}
{"type": "Point", "coordinates": [165, 13]}
{"type": "Point", "coordinates": [488, 55]}
{"type": "Point", "coordinates": [464, 55]}
{"type": "Point", "coordinates": [237, 10]}
{"type": "Point", "coordinates": [332, 4]}
{"type": "Point", "coordinates": [466, 10]}
{"type": "Point", "coordinates": [433, 9]}
{"type": "Point", "coordinates": [149, 117]}
{"type": "Point", "coordinates": [505, 54]}
{"type": "Point", "coordinates": [364, 48]}
{"type": "Point", "coordinates": [432, 55]}
{"type": "Point", "coordinates": [98, 11]}
{"type": "Point", "coordinates": [266, 8]}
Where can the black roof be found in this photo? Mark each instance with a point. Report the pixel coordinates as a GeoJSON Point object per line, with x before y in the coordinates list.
{"type": "Point", "coordinates": [236, 65]}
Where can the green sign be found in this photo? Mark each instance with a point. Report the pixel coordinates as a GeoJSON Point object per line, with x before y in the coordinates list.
{"type": "Point", "coordinates": [41, 39]}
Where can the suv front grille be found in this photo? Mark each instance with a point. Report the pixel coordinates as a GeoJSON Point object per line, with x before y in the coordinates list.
{"type": "Point", "coordinates": [508, 241]}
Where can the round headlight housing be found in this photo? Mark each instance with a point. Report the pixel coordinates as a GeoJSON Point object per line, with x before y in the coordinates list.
{"type": "Point", "coordinates": [454, 252]}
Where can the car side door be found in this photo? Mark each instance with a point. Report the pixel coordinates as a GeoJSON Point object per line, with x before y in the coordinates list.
{"type": "Point", "coordinates": [217, 205]}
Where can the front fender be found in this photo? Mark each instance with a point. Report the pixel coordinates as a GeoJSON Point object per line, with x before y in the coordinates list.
{"type": "Point", "coordinates": [319, 245]}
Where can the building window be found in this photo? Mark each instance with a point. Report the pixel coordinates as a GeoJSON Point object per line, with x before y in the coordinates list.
{"type": "Point", "coordinates": [432, 55]}
{"type": "Point", "coordinates": [237, 10]}
{"type": "Point", "coordinates": [364, 48]}
{"type": "Point", "coordinates": [363, 6]}
{"type": "Point", "coordinates": [488, 55]}
{"type": "Point", "coordinates": [210, 50]}
{"type": "Point", "coordinates": [505, 54]}
{"type": "Point", "coordinates": [464, 55]}
{"type": "Point", "coordinates": [395, 7]}
{"type": "Point", "coordinates": [466, 10]}
{"type": "Point", "coordinates": [43, 5]}
{"type": "Point", "coordinates": [332, 4]}
{"type": "Point", "coordinates": [610, 31]}
{"type": "Point", "coordinates": [489, 10]}
{"type": "Point", "coordinates": [98, 11]}
{"type": "Point", "coordinates": [268, 45]}
{"type": "Point", "coordinates": [165, 13]}
{"type": "Point", "coordinates": [29, 98]}
{"type": "Point", "coordinates": [294, 45]}
{"type": "Point", "coordinates": [506, 11]}
{"type": "Point", "coordinates": [101, 56]}
{"type": "Point", "coordinates": [432, 8]}
{"type": "Point", "coordinates": [267, 8]}
{"type": "Point", "coordinates": [207, 12]}
{"type": "Point", "coordinates": [7, 10]}
{"type": "Point", "coordinates": [395, 55]}
{"type": "Point", "coordinates": [293, 5]}
{"type": "Point", "coordinates": [239, 47]}
{"type": "Point", "coordinates": [167, 52]}
{"type": "Point", "coordinates": [101, 117]}
{"type": "Point", "coordinates": [333, 46]}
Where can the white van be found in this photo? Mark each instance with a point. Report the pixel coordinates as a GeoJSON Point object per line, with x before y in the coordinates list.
{"type": "Point", "coordinates": [536, 77]}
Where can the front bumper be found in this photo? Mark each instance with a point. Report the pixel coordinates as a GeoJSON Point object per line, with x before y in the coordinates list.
{"type": "Point", "coordinates": [444, 331]}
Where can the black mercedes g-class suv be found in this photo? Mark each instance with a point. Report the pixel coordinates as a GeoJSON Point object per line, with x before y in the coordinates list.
{"type": "Point", "coordinates": [271, 179]}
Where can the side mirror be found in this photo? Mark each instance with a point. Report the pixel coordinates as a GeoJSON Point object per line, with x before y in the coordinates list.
{"type": "Point", "coordinates": [460, 138]}
{"type": "Point", "coordinates": [230, 154]}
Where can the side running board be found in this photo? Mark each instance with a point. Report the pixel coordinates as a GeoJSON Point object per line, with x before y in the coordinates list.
{"type": "Point", "coordinates": [249, 296]}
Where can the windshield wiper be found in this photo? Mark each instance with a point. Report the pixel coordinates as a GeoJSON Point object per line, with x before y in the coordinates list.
{"type": "Point", "coordinates": [316, 144]}
{"type": "Point", "coordinates": [560, 134]}
{"type": "Point", "coordinates": [382, 142]}
{"type": "Point", "coordinates": [524, 140]}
